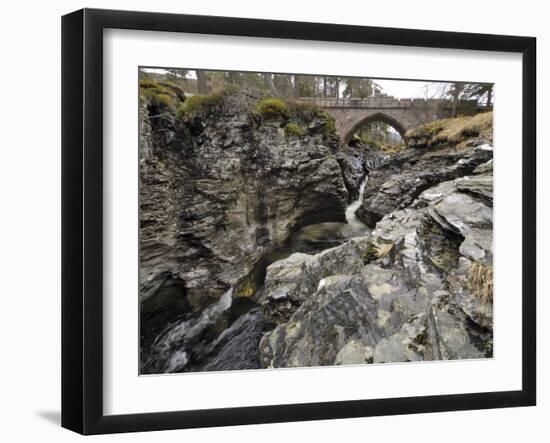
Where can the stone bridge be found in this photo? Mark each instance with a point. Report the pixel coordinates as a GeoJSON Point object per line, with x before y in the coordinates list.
{"type": "Point", "coordinates": [402, 114]}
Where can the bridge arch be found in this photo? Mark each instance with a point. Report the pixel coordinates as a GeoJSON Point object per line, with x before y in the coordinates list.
{"type": "Point", "coordinates": [376, 117]}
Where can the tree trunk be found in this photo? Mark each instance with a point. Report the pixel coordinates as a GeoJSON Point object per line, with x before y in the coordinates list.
{"type": "Point", "coordinates": [456, 95]}
{"type": "Point", "coordinates": [202, 81]}
{"type": "Point", "coordinates": [324, 87]}
{"type": "Point", "coordinates": [489, 97]}
{"type": "Point", "coordinates": [268, 81]}
{"type": "Point", "coordinates": [337, 88]}
{"type": "Point", "coordinates": [296, 86]}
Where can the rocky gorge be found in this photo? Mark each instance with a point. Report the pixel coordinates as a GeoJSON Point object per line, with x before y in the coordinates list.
{"type": "Point", "coordinates": [265, 242]}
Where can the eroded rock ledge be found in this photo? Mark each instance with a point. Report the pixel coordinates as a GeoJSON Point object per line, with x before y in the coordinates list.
{"type": "Point", "coordinates": [223, 188]}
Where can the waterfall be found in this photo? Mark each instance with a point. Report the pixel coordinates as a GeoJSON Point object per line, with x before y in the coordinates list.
{"type": "Point", "coordinates": [357, 226]}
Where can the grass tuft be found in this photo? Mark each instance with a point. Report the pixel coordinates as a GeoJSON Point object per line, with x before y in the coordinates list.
{"type": "Point", "coordinates": [480, 282]}
{"type": "Point", "coordinates": [451, 130]}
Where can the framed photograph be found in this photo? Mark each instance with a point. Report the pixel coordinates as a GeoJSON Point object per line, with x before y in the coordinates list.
{"type": "Point", "coordinates": [269, 221]}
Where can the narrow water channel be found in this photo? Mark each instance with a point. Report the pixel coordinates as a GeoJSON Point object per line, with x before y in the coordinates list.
{"type": "Point", "coordinates": [357, 226]}
{"type": "Point", "coordinates": [226, 334]}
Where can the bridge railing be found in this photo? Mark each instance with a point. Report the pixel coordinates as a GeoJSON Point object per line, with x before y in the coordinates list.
{"type": "Point", "coordinates": [387, 102]}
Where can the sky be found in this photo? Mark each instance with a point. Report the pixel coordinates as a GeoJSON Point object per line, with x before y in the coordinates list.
{"type": "Point", "coordinates": [394, 88]}
{"type": "Point", "coordinates": [408, 89]}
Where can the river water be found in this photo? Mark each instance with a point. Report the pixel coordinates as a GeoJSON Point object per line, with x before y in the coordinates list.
{"type": "Point", "coordinates": [357, 226]}
{"type": "Point", "coordinates": [226, 334]}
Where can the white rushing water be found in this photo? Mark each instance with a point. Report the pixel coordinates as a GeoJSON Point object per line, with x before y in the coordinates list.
{"type": "Point", "coordinates": [357, 226]}
{"type": "Point", "coordinates": [172, 346]}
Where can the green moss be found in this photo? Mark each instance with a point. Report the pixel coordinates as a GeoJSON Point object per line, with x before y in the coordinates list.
{"type": "Point", "coordinates": [374, 144]}
{"type": "Point", "coordinates": [160, 94]}
{"type": "Point", "coordinates": [147, 83]}
{"type": "Point", "coordinates": [330, 123]}
{"type": "Point", "coordinates": [200, 104]}
{"type": "Point", "coordinates": [273, 108]}
{"type": "Point", "coordinates": [153, 96]}
{"type": "Point", "coordinates": [294, 130]}
{"type": "Point", "coordinates": [165, 99]}
{"type": "Point", "coordinates": [300, 110]}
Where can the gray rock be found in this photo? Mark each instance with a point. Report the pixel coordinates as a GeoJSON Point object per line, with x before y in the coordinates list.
{"type": "Point", "coordinates": [354, 353]}
{"type": "Point", "coordinates": [485, 168]}
{"type": "Point", "coordinates": [220, 192]}
{"type": "Point", "coordinates": [473, 220]}
{"type": "Point", "coordinates": [291, 281]}
{"type": "Point", "coordinates": [338, 312]}
{"type": "Point", "coordinates": [478, 185]}
{"type": "Point", "coordinates": [400, 180]}
{"type": "Point", "coordinates": [237, 347]}
{"type": "Point", "coordinates": [352, 163]}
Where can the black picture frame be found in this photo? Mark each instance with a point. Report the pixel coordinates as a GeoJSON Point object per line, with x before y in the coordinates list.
{"type": "Point", "coordinates": [82, 218]}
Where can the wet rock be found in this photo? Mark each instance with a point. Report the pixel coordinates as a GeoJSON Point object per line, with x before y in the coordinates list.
{"type": "Point", "coordinates": [220, 192]}
{"type": "Point", "coordinates": [237, 347]}
{"type": "Point", "coordinates": [352, 163]}
{"type": "Point", "coordinates": [320, 236]}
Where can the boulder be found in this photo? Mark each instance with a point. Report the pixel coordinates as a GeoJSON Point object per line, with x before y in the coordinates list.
{"type": "Point", "coordinates": [338, 312]}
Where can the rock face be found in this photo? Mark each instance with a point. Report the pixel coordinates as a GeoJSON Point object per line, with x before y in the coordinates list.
{"type": "Point", "coordinates": [352, 162]}
{"type": "Point", "coordinates": [401, 178]}
{"type": "Point", "coordinates": [418, 287]}
{"type": "Point", "coordinates": [403, 293]}
{"type": "Point", "coordinates": [246, 259]}
{"type": "Point", "coordinates": [218, 192]}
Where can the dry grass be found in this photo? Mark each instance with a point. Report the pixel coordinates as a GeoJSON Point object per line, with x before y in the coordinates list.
{"type": "Point", "coordinates": [453, 130]}
{"type": "Point", "coordinates": [480, 281]}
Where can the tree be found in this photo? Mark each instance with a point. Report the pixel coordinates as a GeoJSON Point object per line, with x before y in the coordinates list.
{"type": "Point", "coordinates": [480, 92]}
{"type": "Point", "coordinates": [358, 87]}
{"type": "Point", "coordinates": [202, 81]}
{"type": "Point", "coordinates": [268, 81]}
{"type": "Point", "coordinates": [455, 92]}
{"type": "Point", "coordinates": [283, 84]}
{"type": "Point", "coordinates": [308, 85]}
{"type": "Point", "coordinates": [176, 73]}
{"type": "Point", "coordinates": [296, 90]}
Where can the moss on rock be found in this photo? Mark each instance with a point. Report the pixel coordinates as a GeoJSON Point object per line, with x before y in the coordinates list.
{"type": "Point", "coordinates": [294, 130]}
{"type": "Point", "coordinates": [273, 108]}
{"type": "Point", "coordinates": [200, 104]}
